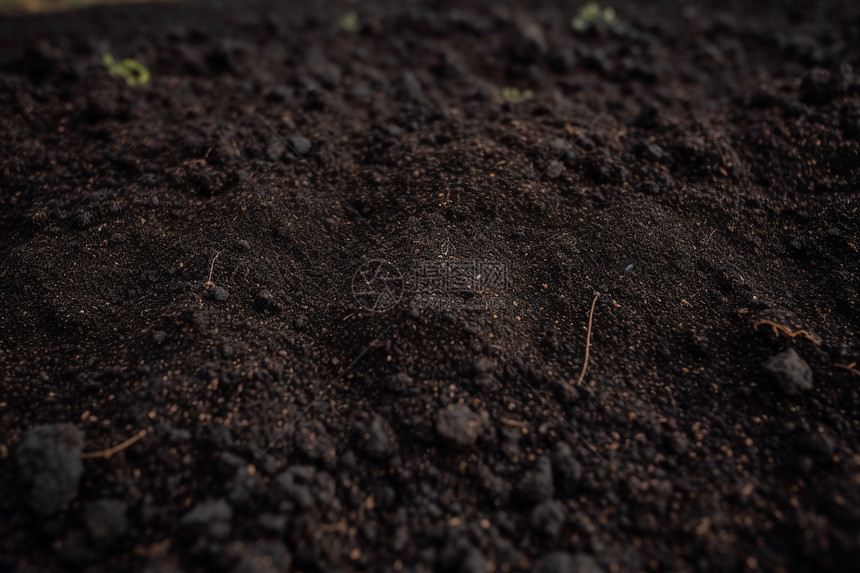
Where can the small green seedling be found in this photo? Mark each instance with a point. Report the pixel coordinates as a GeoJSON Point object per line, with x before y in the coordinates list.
{"type": "Point", "coordinates": [593, 15]}
{"type": "Point", "coordinates": [133, 72]}
{"type": "Point", "coordinates": [514, 95]}
{"type": "Point", "coordinates": [349, 22]}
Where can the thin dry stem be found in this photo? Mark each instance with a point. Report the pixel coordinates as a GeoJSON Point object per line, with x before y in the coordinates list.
{"type": "Point", "coordinates": [777, 328]}
{"type": "Point", "coordinates": [849, 367]}
{"type": "Point", "coordinates": [587, 340]}
{"type": "Point", "coordinates": [209, 282]}
{"type": "Point", "coordinates": [115, 449]}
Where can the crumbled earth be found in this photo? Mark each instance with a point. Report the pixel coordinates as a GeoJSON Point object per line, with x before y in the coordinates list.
{"type": "Point", "coordinates": [49, 459]}
{"type": "Point", "coordinates": [177, 264]}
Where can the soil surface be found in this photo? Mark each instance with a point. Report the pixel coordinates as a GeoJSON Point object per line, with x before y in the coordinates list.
{"type": "Point", "coordinates": [189, 382]}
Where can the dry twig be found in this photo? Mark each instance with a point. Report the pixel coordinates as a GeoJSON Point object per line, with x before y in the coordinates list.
{"type": "Point", "coordinates": [209, 282]}
{"type": "Point", "coordinates": [117, 448]}
{"type": "Point", "coordinates": [849, 367]}
{"type": "Point", "coordinates": [777, 328]}
{"type": "Point", "coordinates": [588, 340]}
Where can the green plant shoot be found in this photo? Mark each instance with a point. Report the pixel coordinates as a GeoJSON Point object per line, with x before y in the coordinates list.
{"type": "Point", "coordinates": [133, 72]}
{"type": "Point", "coordinates": [593, 15]}
{"type": "Point", "coordinates": [349, 22]}
{"type": "Point", "coordinates": [514, 95]}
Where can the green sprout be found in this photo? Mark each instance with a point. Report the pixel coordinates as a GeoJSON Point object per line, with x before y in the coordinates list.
{"type": "Point", "coordinates": [349, 22]}
{"type": "Point", "coordinates": [593, 15]}
{"type": "Point", "coordinates": [133, 72]}
{"type": "Point", "coordinates": [514, 95]}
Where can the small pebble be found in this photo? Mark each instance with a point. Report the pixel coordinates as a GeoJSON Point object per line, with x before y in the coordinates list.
{"type": "Point", "coordinates": [210, 518]}
{"type": "Point", "coordinates": [299, 144]}
{"type": "Point", "coordinates": [553, 170]}
{"type": "Point", "coordinates": [791, 371]}
{"type": "Point", "coordinates": [218, 293]}
{"type": "Point", "coordinates": [458, 424]}
{"type": "Point", "coordinates": [483, 366]}
{"type": "Point", "coordinates": [50, 462]}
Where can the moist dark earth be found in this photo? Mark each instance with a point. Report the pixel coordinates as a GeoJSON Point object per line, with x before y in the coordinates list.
{"type": "Point", "coordinates": [188, 382]}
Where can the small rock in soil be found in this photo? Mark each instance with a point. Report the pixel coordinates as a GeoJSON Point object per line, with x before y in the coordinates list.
{"type": "Point", "coordinates": [307, 486]}
{"type": "Point", "coordinates": [530, 45]}
{"type": "Point", "coordinates": [483, 366]}
{"type": "Point", "coordinates": [378, 444]}
{"type": "Point", "coordinates": [458, 424]}
{"type": "Point", "coordinates": [299, 144]}
{"type": "Point", "coordinates": [275, 150]}
{"type": "Point", "coordinates": [483, 92]}
{"type": "Point", "coordinates": [273, 523]}
{"type": "Point", "coordinates": [209, 518]}
{"type": "Point", "coordinates": [649, 150]}
{"type": "Point", "coordinates": [178, 435]}
{"type": "Point", "coordinates": [218, 293]}
{"type": "Point", "coordinates": [791, 371]}
{"type": "Point", "coordinates": [561, 150]}
{"type": "Point", "coordinates": [82, 219]}
{"type": "Point", "coordinates": [399, 382]}
{"type": "Point", "coordinates": [553, 170]}
{"type": "Point", "coordinates": [265, 300]}
{"type": "Point", "coordinates": [50, 462]}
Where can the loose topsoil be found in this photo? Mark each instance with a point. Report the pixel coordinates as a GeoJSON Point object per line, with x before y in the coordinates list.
{"type": "Point", "coordinates": [695, 163]}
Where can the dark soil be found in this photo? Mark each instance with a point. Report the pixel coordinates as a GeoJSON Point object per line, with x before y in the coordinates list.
{"type": "Point", "coordinates": [697, 165]}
